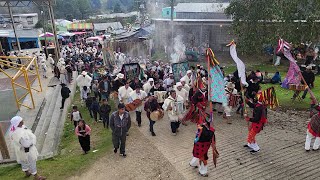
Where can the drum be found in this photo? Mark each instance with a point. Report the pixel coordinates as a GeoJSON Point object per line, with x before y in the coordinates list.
{"type": "Point", "coordinates": [133, 105]}
{"type": "Point", "coordinates": [292, 87]}
{"type": "Point", "coordinates": [301, 87]}
{"type": "Point", "coordinates": [161, 96]}
{"type": "Point", "coordinates": [157, 115]}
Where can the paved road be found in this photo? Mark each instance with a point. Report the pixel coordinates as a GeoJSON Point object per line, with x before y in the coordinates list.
{"type": "Point", "coordinates": [282, 154]}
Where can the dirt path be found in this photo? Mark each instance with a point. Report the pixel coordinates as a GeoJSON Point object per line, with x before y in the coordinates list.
{"type": "Point", "coordinates": [143, 161]}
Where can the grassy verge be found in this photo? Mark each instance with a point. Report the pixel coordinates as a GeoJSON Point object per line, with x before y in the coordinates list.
{"type": "Point", "coordinates": [70, 160]}
{"type": "Point", "coordinates": [283, 95]}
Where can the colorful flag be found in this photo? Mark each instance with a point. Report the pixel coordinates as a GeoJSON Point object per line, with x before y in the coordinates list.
{"type": "Point", "coordinates": [293, 76]}
{"type": "Point", "coordinates": [217, 86]}
{"type": "Point", "coordinates": [240, 65]}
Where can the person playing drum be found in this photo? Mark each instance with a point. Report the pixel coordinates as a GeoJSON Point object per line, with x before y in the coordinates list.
{"type": "Point", "coordinates": [151, 105]}
{"type": "Point", "coordinates": [171, 106]}
{"type": "Point", "coordinates": [141, 95]}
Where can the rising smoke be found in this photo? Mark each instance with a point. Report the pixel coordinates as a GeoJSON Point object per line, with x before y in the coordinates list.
{"type": "Point", "coordinates": [179, 50]}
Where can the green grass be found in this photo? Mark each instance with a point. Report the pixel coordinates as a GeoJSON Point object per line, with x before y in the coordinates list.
{"type": "Point", "coordinates": [283, 95]}
{"type": "Point", "coordinates": [70, 160]}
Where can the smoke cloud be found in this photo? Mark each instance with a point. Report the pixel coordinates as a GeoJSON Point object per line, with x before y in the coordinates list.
{"type": "Point", "coordinates": [179, 50]}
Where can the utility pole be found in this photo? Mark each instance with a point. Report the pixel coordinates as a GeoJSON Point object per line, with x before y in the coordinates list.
{"type": "Point", "coordinates": [57, 49]}
{"type": "Point", "coordinates": [172, 26]}
{"type": "Point", "coordinates": [14, 26]}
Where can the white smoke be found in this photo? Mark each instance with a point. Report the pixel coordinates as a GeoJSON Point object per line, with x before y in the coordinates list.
{"type": "Point", "coordinates": [179, 50]}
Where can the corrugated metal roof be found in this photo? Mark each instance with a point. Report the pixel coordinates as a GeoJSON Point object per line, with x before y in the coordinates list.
{"type": "Point", "coordinates": [23, 33]}
{"type": "Point", "coordinates": [105, 26]}
{"type": "Point", "coordinates": [201, 7]}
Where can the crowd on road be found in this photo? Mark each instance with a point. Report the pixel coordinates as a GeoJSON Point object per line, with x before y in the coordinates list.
{"type": "Point", "coordinates": [139, 85]}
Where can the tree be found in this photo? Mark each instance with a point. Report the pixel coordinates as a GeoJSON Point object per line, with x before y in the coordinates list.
{"type": "Point", "coordinates": [259, 22]}
{"type": "Point", "coordinates": [117, 8]}
{"type": "Point", "coordinates": [84, 7]}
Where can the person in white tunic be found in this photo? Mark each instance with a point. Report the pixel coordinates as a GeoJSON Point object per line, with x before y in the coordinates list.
{"type": "Point", "coordinates": [63, 73]}
{"type": "Point", "coordinates": [138, 94]}
{"type": "Point", "coordinates": [149, 85]}
{"type": "Point", "coordinates": [173, 105]}
{"type": "Point", "coordinates": [44, 68]}
{"type": "Point", "coordinates": [83, 80]}
{"type": "Point", "coordinates": [124, 93]}
{"type": "Point", "coordinates": [184, 84]}
{"type": "Point", "coordinates": [185, 95]}
{"type": "Point", "coordinates": [51, 61]}
{"type": "Point", "coordinates": [230, 89]}
{"type": "Point", "coordinates": [24, 143]}
{"type": "Point", "coordinates": [169, 82]}
{"type": "Point", "coordinates": [188, 77]}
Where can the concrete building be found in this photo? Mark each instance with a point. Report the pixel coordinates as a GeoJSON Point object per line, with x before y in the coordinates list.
{"type": "Point", "coordinates": [201, 25]}
{"type": "Point", "coordinates": [22, 21]}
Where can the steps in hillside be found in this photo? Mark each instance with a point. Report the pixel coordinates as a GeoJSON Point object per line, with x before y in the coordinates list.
{"type": "Point", "coordinates": [47, 118]}
{"type": "Point", "coordinates": [48, 98]}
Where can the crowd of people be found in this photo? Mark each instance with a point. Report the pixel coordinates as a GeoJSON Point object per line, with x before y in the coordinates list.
{"type": "Point", "coordinates": [156, 92]}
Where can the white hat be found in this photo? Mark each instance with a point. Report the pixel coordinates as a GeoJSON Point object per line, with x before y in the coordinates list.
{"type": "Point", "coordinates": [15, 121]}
{"type": "Point", "coordinates": [230, 85]}
{"type": "Point", "coordinates": [178, 84]}
{"type": "Point", "coordinates": [189, 71]}
{"type": "Point", "coordinates": [183, 80]}
{"type": "Point", "coordinates": [84, 73]}
{"type": "Point", "coordinates": [50, 55]}
{"type": "Point", "coordinates": [150, 80]}
{"type": "Point", "coordinates": [309, 67]}
{"type": "Point", "coordinates": [120, 76]}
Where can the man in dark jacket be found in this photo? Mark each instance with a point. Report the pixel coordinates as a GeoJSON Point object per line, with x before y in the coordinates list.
{"type": "Point", "coordinates": [105, 110]}
{"type": "Point", "coordinates": [104, 87]}
{"type": "Point", "coordinates": [309, 77]}
{"type": "Point", "coordinates": [120, 123]}
{"type": "Point", "coordinates": [65, 93]}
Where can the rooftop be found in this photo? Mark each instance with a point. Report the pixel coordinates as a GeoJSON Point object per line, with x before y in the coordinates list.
{"type": "Point", "coordinates": [201, 7]}
{"type": "Point", "coordinates": [105, 26]}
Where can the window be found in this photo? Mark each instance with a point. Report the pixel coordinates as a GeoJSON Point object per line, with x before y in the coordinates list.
{"type": "Point", "coordinates": [168, 12]}
{"type": "Point", "coordinates": [30, 20]}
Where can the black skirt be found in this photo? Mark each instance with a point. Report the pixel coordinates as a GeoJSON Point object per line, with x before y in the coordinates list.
{"type": "Point", "coordinates": [85, 143]}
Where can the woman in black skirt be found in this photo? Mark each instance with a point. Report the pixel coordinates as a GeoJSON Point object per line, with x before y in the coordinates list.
{"type": "Point", "coordinates": [83, 132]}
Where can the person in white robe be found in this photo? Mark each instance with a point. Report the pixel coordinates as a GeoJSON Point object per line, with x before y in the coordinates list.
{"type": "Point", "coordinates": [124, 93]}
{"type": "Point", "coordinates": [138, 94]}
{"type": "Point", "coordinates": [63, 73]}
{"type": "Point", "coordinates": [173, 105]}
{"type": "Point", "coordinates": [188, 78]}
{"type": "Point", "coordinates": [44, 68]}
{"type": "Point", "coordinates": [24, 143]}
{"type": "Point", "coordinates": [184, 84]}
{"type": "Point", "coordinates": [169, 82]}
{"type": "Point", "coordinates": [149, 85]}
{"type": "Point", "coordinates": [51, 61]}
{"type": "Point", "coordinates": [83, 80]}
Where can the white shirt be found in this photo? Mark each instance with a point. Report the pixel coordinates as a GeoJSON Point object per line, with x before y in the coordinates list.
{"type": "Point", "coordinates": [84, 81]}
{"type": "Point", "coordinates": [167, 103]}
{"type": "Point", "coordinates": [76, 116]}
{"type": "Point", "coordinates": [183, 93]}
{"type": "Point", "coordinates": [134, 95]}
{"type": "Point", "coordinates": [147, 87]}
{"type": "Point", "coordinates": [124, 94]}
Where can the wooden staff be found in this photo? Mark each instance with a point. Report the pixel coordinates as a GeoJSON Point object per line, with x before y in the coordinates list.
{"type": "Point", "coordinates": [309, 90]}
{"type": "Point", "coordinates": [209, 83]}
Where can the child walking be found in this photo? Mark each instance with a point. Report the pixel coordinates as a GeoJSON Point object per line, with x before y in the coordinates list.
{"type": "Point", "coordinates": [75, 116]}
